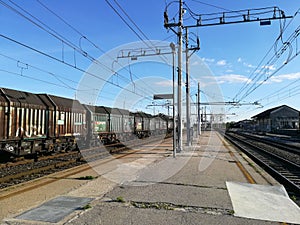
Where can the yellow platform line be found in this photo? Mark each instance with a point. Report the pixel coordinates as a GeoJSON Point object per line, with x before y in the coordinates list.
{"type": "Point", "coordinates": [246, 174]}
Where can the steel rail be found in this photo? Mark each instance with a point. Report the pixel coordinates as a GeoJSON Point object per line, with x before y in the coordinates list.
{"type": "Point", "coordinates": [282, 146]}
{"type": "Point", "coordinates": [257, 153]}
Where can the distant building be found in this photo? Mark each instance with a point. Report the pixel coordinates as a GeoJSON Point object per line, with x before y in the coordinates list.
{"type": "Point", "coordinates": [246, 125]}
{"type": "Point", "coordinates": [281, 119]}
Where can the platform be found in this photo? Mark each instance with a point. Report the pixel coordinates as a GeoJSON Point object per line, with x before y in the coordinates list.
{"type": "Point", "coordinates": [155, 188]}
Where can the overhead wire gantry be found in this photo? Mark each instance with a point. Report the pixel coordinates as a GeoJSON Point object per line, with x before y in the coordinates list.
{"type": "Point", "coordinates": [262, 15]}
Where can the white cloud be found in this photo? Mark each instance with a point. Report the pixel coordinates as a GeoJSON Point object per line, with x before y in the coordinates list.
{"type": "Point", "coordinates": [283, 77]}
{"type": "Point", "coordinates": [248, 65]}
{"type": "Point", "coordinates": [221, 62]}
{"type": "Point", "coordinates": [233, 78]}
{"type": "Point", "coordinates": [229, 78]}
{"type": "Point", "coordinates": [208, 83]}
{"type": "Point", "coordinates": [270, 67]}
{"type": "Point", "coordinates": [208, 60]}
{"type": "Point", "coordinates": [196, 63]}
{"type": "Point", "coordinates": [165, 83]}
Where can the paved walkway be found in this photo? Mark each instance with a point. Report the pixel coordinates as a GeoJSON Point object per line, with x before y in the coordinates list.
{"type": "Point", "coordinates": [188, 189]}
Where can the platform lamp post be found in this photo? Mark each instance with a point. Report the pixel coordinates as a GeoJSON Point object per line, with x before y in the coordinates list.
{"type": "Point", "coordinates": [172, 45]}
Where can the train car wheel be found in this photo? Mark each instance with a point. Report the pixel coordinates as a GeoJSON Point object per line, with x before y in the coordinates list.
{"type": "Point", "coordinates": [51, 148]}
{"type": "Point", "coordinates": [36, 156]}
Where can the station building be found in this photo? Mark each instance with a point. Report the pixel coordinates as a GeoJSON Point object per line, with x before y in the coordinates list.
{"type": "Point", "coordinates": [281, 119]}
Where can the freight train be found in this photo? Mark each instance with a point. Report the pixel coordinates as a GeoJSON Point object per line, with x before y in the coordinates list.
{"type": "Point", "coordinates": [36, 123]}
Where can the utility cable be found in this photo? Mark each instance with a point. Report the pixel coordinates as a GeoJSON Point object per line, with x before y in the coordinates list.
{"type": "Point", "coordinates": [255, 71]}
{"type": "Point", "coordinates": [286, 46]}
{"type": "Point", "coordinates": [91, 42]}
{"type": "Point", "coordinates": [55, 35]}
{"type": "Point", "coordinates": [68, 64]}
{"type": "Point", "coordinates": [132, 29]}
{"type": "Point", "coordinates": [60, 78]}
{"type": "Point", "coordinates": [36, 79]}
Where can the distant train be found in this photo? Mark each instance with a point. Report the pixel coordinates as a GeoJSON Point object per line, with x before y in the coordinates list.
{"type": "Point", "coordinates": [34, 123]}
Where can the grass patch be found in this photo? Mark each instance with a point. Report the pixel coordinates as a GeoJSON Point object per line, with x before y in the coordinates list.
{"type": "Point", "coordinates": [120, 199]}
{"type": "Point", "coordinates": [185, 208]}
{"type": "Point", "coordinates": [294, 198]}
{"type": "Point", "coordinates": [153, 205]}
{"type": "Point", "coordinates": [86, 178]}
{"type": "Point", "coordinates": [87, 206]}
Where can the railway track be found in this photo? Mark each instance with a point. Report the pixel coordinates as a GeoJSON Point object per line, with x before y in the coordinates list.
{"type": "Point", "coordinates": [20, 172]}
{"type": "Point", "coordinates": [275, 143]}
{"type": "Point", "coordinates": [106, 150]}
{"type": "Point", "coordinates": [284, 170]}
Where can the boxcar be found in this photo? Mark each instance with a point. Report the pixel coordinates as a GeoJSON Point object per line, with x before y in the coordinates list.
{"type": "Point", "coordinates": [97, 125]}
{"type": "Point", "coordinates": [127, 125]}
{"type": "Point", "coordinates": [163, 124]}
{"type": "Point", "coordinates": [109, 125]}
{"type": "Point", "coordinates": [115, 119]}
{"type": "Point", "coordinates": [154, 125]}
{"type": "Point", "coordinates": [166, 124]}
{"type": "Point", "coordinates": [66, 120]}
{"type": "Point", "coordinates": [142, 124]}
{"type": "Point", "coordinates": [23, 127]}
{"type": "Point", "coordinates": [170, 124]}
{"type": "Point", "coordinates": [159, 124]}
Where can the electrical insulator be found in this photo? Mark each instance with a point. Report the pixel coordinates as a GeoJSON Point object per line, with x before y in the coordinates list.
{"type": "Point", "coordinates": [166, 19]}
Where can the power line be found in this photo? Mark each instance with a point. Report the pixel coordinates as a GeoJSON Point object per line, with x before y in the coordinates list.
{"type": "Point", "coordinates": [36, 79]}
{"type": "Point", "coordinates": [41, 25]}
{"type": "Point", "coordinates": [246, 16]}
{"type": "Point", "coordinates": [213, 19]}
{"type": "Point", "coordinates": [47, 82]}
{"type": "Point", "coordinates": [282, 90]}
{"type": "Point", "coordinates": [68, 24]}
{"type": "Point", "coordinates": [91, 42]}
{"type": "Point", "coordinates": [256, 70]}
{"type": "Point", "coordinates": [60, 78]}
{"type": "Point", "coordinates": [138, 28]}
{"type": "Point", "coordinates": [84, 37]}
{"type": "Point", "coordinates": [283, 93]}
{"type": "Point", "coordinates": [211, 5]}
{"type": "Point", "coordinates": [130, 27]}
{"type": "Point", "coordinates": [286, 45]}
{"type": "Point", "coordinates": [57, 36]}
{"type": "Point", "coordinates": [68, 64]}
{"type": "Point", "coordinates": [62, 39]}
{"type": "Point", "coordinates": [131, 20]}
{"type": "Point", "coordinates": [289, 95]}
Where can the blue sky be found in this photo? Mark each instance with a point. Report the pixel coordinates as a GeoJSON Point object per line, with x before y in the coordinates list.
{"type": "Point", "coordinates": [231, 52]}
